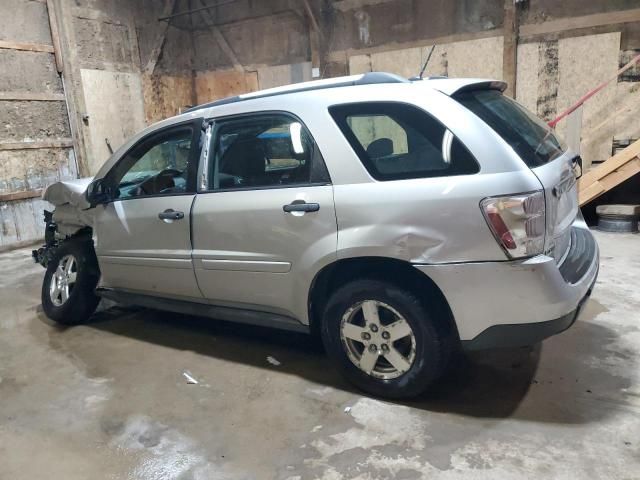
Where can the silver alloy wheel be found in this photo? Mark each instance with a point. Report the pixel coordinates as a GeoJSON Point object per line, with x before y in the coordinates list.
{"type": "Point", "coordinates": [63, 280]}
{"type": "Point", "coordinates": [377, 339]}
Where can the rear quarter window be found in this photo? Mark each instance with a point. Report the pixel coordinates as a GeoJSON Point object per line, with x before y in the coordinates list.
{"type": "Point", "coordinates": [399, 141]}
{"type": "Point", "coordinates": [530, 137]}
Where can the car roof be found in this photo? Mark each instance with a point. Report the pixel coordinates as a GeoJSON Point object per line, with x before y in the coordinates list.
{"type": "Point", "coordinates": [364, 87]}
{"type": "Point", "coordinates": [446, 85]}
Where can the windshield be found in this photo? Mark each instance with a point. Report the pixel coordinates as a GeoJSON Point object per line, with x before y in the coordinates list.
{"type": "Point", "coordinates": [529, 136]}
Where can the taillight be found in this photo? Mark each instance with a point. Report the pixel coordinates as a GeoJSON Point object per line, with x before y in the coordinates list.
{"type": "Point", "coordinates": [517, 222]}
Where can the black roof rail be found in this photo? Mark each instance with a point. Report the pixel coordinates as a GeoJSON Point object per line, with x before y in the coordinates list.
{"type": "Point", "coordinates": [369, 78]}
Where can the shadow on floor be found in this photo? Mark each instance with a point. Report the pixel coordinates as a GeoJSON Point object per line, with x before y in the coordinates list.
{"type": "Point", "coordinates": [490, 384]}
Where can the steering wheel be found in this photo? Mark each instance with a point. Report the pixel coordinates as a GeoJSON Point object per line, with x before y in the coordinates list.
{"type": "Point", "coordinates": [160, 181]}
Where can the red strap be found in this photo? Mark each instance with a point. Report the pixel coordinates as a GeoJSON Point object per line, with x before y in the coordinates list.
{"type": "Point", "coordinates": [591, 93]}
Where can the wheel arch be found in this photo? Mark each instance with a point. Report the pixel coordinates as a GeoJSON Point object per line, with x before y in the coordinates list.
{"type": "Point", "coordinates": [399, 272]}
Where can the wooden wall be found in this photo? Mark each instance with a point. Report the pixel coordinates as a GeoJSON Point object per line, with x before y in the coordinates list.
{"type": "Point", "coordinates": [35, 137]}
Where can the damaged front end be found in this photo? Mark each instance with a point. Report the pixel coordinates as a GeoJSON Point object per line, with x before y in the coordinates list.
{"type": "Point", "coordinates": [70, 217]}
{"type": "Point", "coordinates": [43, 254]}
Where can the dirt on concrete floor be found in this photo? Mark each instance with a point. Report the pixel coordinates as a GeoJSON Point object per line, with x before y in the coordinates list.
{"type": "Point", "coordinates": [109, 399]}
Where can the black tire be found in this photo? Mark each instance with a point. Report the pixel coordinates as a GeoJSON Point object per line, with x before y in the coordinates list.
{"type": "Point", "coordinates": [431, 341]}
{"type": "Point", "coordinates": [82, 300]}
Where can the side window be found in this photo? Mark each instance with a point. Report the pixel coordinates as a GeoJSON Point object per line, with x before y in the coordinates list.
{"type": "Point", "coordinates": [396, 141]}
{"type": "Point", "coordinates": [157, 166]}
{"type": "Point", "coordinates": [264, 151]}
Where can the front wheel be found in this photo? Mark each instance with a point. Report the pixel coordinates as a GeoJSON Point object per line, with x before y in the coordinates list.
{"type": "Point", "coordinates": [383, 338]}
{"type": "Point", "coordinates": [68, 289]}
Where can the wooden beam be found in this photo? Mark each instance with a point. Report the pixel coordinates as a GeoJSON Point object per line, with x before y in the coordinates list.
{"type": "Point", "coordinates": [575, 23]}
{"type": "Point", "coordinates": [222, 42]}
{"type": "Point", "coordinates": [43, 97]}
{"type": "Point", "coordinates": [72, 84]}
{"type": "Point", "coordinates": [29, 47]}
{"type": "Point", "coordinates": [9, 197]}
{"type": "Point", "coordinates": [346, 5]}
{"type": "Point", "coordinates": [226, 48]}
{"type": "Point", "coordinates": [612, 179]}
{"type": "Point", "coordinates": [55, 37]}
{"type": "Point", "coordinates": [312, 17]}
{"type": "Point", "coordinates": [342, 55]}
{"type": "Point", "coordinates": [60, 143]}
{"type": "Point", "coordinates": [610, 173]}
{"type": "Point", "coordinates": [158, 44]}
{"type": "Point", "coordinates": [613, 163]}
{"type": "Point", "coordinates": [510, 47]}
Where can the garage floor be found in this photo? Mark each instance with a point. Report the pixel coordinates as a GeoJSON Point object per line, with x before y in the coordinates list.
{"type": "Point", "coordinates": [109, 400]}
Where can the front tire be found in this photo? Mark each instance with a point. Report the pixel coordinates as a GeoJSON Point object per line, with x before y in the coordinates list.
{"type": "Point", "coordinates": [68, 289]}
{"type": "Point", "coordinates": [383, 339]}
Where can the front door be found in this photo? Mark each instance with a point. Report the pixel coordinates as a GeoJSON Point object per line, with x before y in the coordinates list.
{"type": "Point", "coordinates": [266, 220]}
{"type": "Point", "coordinates": [144, 234]}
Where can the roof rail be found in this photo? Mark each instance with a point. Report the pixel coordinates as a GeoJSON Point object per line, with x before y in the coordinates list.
{"type": "Point", "coordinates": [370, 78]}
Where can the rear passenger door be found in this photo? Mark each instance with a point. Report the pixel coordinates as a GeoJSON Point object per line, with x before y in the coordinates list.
{"type": "Point", "coordinates": [264, 219]}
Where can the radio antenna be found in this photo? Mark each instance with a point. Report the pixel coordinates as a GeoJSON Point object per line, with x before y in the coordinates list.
{"type": "Point", "coordinates": [424, 67]}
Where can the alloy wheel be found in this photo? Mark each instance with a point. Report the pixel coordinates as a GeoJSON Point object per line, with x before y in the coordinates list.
{"type": "Point", "coordinates": [378, 339]}
{"type": "Point", "coordinates": [63, 280]}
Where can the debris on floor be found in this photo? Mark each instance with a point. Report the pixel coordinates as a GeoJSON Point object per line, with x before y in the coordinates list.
{"type": "Point", "coordinates": [273, 361]}
{"type": "Point", "coordinates": [190, 379]}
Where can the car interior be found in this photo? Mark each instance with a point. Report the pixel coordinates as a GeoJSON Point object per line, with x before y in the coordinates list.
{"type": "Point", "coordinates": [262, 152]}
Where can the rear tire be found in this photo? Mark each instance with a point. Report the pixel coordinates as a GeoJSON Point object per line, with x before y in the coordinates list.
{"type": "Point", "coordinates": [411, 349]}
{"type": "Point", "coordinates": [68, 289]}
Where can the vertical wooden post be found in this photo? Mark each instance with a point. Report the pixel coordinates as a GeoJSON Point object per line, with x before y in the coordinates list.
{"type": "Point", "coordinates": [315, 36]}
{"type": "Point", "coordinates": [55, 37]}
{"type": "Point", "coordinates": [510, 46]}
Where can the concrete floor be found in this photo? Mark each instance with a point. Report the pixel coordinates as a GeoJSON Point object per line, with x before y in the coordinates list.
{"type": "Point", "coordinates": [109, 400]}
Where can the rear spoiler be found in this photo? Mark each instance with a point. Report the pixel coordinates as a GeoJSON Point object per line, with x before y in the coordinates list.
{"type": "Point", "coordinates": [491, 85]}
{"type": "Point", "coordinates": [452, 86]}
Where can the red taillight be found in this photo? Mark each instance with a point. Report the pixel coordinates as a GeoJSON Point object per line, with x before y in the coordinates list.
{"type": "Point", "coordinates": [501, 230]}
{"type": "Point", "coordinates": [518, 222]}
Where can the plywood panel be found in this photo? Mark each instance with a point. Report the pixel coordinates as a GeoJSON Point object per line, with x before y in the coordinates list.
{"type": "Point", "coordinates": [471, 58]}
{"type": "Point", "coordinates": [165, 95]}
{"type": "Point", "coordinates": [359, 64]}
{"type": "Point", "coordinates": [278, 75]}
{"type": "Point", "coordinates": [214, 85]}
{"type": "Point", "coordinates": [527, 75]}
{"type": "Point", "coordinates": [114, 104]}
{"type": "Point", "coordinates": [627, 106]}
{"type": "Point", "coordinates": [585, 62]}
{"type": "Point", "coordinates": [406, 63]}
{"type": "Point", "coordinates": [475, 58]}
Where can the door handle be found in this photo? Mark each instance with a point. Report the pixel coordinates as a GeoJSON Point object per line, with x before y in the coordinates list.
{"type": "Point", "coordinates": [301, 206]}
{"type": "Point", "coordinates": [169, 215]}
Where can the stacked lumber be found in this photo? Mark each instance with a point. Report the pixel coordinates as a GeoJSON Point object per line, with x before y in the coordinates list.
{"type": "Point", "coordinates": [612, 172]}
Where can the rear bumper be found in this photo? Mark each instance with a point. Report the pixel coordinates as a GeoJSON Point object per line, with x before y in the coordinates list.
{"type": "Point", "coordinates": [519, 335]}
{"type": "Point", "coordinates": [499, 304]}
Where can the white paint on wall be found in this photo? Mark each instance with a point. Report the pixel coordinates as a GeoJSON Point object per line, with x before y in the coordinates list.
{"type": "Point", "coordinates": [363, 19]}
{"type": "Point", "coordinates": [115, 109]}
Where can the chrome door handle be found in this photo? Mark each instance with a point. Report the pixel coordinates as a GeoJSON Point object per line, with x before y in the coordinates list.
{"type": "Point", "coordinates": [301, 206]}
{"type": "Point", "coordinates": [169, 215]}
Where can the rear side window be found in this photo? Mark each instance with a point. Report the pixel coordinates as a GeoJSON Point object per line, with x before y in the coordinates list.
{"type": "Point", "coordinates": [529, 136]}
{"type": "Point", "coordinates": [264, 150]}
{"type": "Point", "coordinates": [397, 141]}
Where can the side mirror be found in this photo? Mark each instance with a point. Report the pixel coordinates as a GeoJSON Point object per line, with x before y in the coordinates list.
{"type": "Point", "coordinates": [576, 164]}
{"type": "Point", "coordinates": [98, 192]}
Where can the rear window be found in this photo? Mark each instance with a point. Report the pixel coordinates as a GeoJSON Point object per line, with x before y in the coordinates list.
{"type": "Point", "coordinates": [529, 136]}
{"type": "Point", "coordinates": [398, 141]}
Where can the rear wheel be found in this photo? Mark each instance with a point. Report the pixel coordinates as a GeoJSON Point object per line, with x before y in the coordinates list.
{"type": "Point", "coordinates": [383, 338]}
{"type": "Point", "coordinates": [68, 290]}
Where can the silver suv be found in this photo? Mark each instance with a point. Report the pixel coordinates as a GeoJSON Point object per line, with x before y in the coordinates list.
{"type": "Point", "coordinates": [396, 219]}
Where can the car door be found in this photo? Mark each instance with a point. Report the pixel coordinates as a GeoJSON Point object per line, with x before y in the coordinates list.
{"type": "Point", "coordinates": [144, 234]}
{"type": "Point", "coordinates": [264, 222]}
